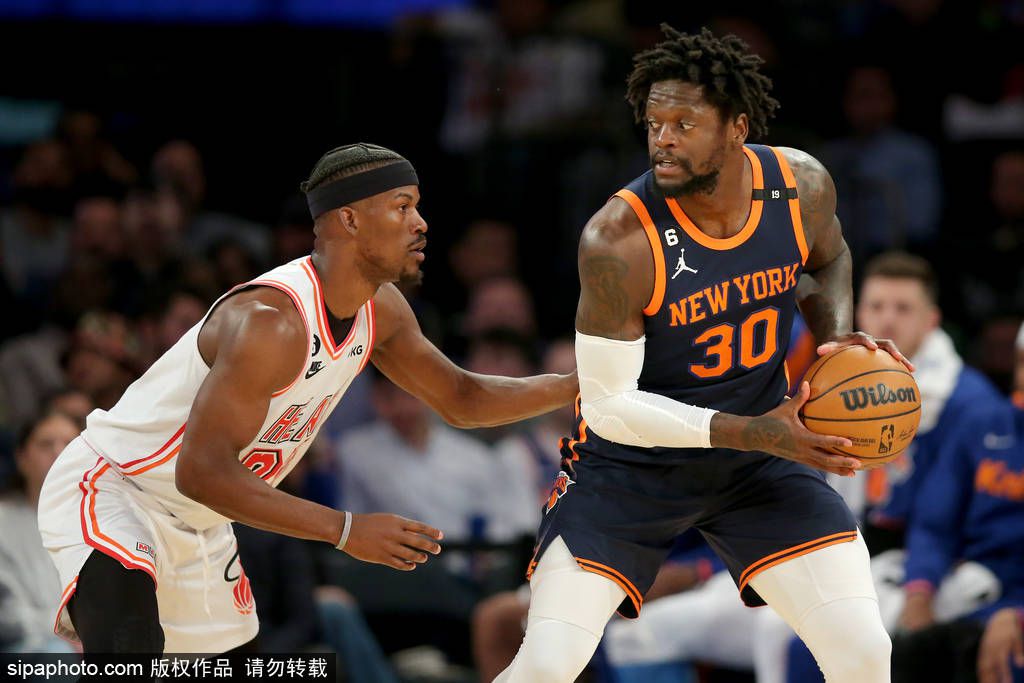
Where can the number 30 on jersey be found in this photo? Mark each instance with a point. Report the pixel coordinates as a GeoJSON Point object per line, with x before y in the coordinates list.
{"type": "Point", "coordinates": [750, 344]}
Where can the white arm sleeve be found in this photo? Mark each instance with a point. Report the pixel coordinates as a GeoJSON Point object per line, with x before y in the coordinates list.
{"type": "Point", "coordinates": [617, 411]}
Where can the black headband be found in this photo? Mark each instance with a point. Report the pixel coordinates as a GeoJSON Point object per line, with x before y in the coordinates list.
{"type": "Point", "coordinates": [360, 186]}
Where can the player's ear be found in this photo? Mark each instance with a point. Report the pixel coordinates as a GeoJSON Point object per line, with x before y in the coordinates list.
{"type": "Point", "coordinates": [347, 219]}
{"type": "Point", "coordinates": [739, 129]}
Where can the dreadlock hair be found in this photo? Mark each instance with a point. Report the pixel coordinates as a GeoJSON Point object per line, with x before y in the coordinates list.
{"type": "Point", "coordinates": [724, 66]}
{"type": "Point", "coordinates": [348, 160]}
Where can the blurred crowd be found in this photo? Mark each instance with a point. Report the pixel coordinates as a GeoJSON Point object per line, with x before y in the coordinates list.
{"type": "Point", "coordinates": [117, 233]}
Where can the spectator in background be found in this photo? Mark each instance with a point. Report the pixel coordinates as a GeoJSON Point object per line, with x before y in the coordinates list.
{"type": "Point", "coordinates": [29, 585]}
{"type": "Point", "coordinates": [96, 229]}
{"type": "Point", "coordinates": [409, 462]}
{"type": "Point", "coordinates": [293, 234]}
{"type": "Point", "coordinates": [487, 249]}
{"type": "Point", "coordinates": [965, 550]}
{"type": "Point", "coordinates": [510, 353]}
{"type": "Point", "coordinates": [887, 180]}
{"type": "Point", "coordinates": [177, 169]}
{"type": "Point", "coordinates": [990, 266]}
{"type": "Point", "coordinates": [172, 315]}
{"type": "Point", "coordinates": [33, 231]}
{"type": "Point", "coordinates": [103, 358]}
{"type": "Point", "coordinates": [500, 302]}
{"type": "Point", "coordinates": [71, 402]}
{"type": "Point", "coordinates": [96, 164]}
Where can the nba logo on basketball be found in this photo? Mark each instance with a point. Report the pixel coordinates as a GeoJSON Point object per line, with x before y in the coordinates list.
{"type": "Point", "coordinates": [885, 440]}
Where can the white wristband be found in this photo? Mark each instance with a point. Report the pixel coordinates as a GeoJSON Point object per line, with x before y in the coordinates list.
{"type": "Point", "coordinates": [345, 530]}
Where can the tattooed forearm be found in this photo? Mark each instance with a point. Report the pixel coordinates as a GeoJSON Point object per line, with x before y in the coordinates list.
{"type": "Point", "coordinates": [766, 433]}
{"type": "Point", "coordinates": [604, 302]}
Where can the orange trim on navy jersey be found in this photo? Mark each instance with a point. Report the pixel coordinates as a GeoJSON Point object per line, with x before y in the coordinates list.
{"type": "Point", "coordinates": [371, 332]}
{"type": "Point", "coordinates": [581, 433]}
{"type": "Point", "coordinates": [658, 294]}
{"type": "Point", "coordinates": [753, 218]}
{"type": "Point", "coordinates": [794, 205]}
{"type": "Point", "coordinates": [789, 553]}
{"type": "Point", "coordinates": [604, 570]}
{"type": "Point", "coordinates": [333, 349]}
{"type": "Point", "coordinates": [177, 434]}
{"type": "Point", "coordinates": [97, 539]}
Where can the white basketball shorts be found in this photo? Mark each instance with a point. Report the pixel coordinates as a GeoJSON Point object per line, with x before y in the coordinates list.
{"type": "Point", "coordinates": [203, 595]}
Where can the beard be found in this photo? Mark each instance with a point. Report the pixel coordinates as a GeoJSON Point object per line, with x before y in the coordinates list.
{"type": "Point", "coordinates": [697, 183]}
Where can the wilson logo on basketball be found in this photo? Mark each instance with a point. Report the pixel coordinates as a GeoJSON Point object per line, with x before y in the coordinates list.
{"type": "Point", "coordinates": [880, 394]}
{"type": "Point", "coordinates": [242, 593]}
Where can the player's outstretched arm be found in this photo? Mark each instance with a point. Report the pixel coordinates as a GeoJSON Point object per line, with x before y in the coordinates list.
{"type": "Point", "coordinates": [464, 399]}
{"type": "Point", "coordinates": [255, 344]}
{"type": "Point", "coordinates": [825, 291]}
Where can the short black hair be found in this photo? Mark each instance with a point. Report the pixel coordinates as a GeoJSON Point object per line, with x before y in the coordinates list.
{"type": "Point", "coordinates": [348, 160]}
{"type": "Point", "coordinates": [900, 265]}
{"type": "Point", "coordinates": [725, 67]}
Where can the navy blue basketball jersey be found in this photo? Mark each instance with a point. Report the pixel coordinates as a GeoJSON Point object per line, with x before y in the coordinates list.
{"type": "Point", "coordinates": [718, 322]}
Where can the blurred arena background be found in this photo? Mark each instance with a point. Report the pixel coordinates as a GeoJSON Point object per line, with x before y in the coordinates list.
{"type": "Point", "coordinates": [150, 156]}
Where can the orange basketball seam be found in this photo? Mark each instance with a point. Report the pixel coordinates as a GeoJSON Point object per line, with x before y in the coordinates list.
{"type": "Point", "coordinates": [853, 377]}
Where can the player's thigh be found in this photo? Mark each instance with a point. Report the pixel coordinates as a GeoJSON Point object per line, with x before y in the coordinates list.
{"type": "Point", "coordinates": [796, 586]}
{"type": "Point", "coordinates": [114, 609]}
{"type": "Point", "coordinates": [562, 591]}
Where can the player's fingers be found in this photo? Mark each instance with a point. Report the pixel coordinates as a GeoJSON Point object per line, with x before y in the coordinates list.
{"type": "Point", "coordinates": [1018, 650]}
{"type": "Point", "coordinates": [409, 554]}
{"type": "Point", "coordinates": [799, 398]}
{"type": "Point", "coordinates": [889, 346]}
{"type": "Point", "coordinates": [400, 564]}
{"type": "Point", "coordinates": [837, 461]}
{"type": "Point", "coordinates": [827, 442]}
{"type": "Point", "coordinates": [421, 543]}
{"type": "Point", "coordinates": [421, 528]}
{"type": "Point", "coordinates": [827, 347]}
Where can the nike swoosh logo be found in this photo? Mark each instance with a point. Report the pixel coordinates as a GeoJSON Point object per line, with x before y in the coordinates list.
{"type": "Point", "coordinates": [316, 367]}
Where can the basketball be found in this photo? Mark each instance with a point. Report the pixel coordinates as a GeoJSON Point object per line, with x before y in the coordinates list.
{"type": "Point", "coordinates": [867, 396]}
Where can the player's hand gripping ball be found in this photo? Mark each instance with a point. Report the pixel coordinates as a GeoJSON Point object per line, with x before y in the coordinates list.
{"type": "Point", "coordinates": [868, 397]}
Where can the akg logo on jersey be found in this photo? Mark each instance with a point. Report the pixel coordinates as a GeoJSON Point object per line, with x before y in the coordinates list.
{"type": "Point", "coordinates": [356, 351]}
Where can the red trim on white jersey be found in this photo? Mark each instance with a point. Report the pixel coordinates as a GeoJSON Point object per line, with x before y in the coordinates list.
{"type": "Point", "coordinates": [91, 530]}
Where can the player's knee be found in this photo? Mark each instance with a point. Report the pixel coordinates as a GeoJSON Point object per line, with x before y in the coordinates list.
{"type": "Point", "coordinates": [854, 650]}
{"type": "Point", "coordinates": [867, 658]}
{"type": "Point", "coordinates": [553, 652]}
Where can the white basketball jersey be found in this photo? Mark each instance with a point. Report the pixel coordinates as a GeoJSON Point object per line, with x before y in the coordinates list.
{"type": "Point", "coordinates": [141, 435]}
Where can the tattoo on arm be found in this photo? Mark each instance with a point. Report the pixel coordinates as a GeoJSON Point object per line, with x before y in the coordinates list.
{"type": "Point", "coordinates": [604, 304]}
{"type": "Point", "coordinates": [767, 434]}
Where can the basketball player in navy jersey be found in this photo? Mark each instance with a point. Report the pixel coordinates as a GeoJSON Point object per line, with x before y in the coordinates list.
{"type": "Point", "coordinates": [689, 281]}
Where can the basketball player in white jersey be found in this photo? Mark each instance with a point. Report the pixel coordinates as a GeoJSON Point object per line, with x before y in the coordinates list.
{"type": "Point", "coordinates": [136, 512]}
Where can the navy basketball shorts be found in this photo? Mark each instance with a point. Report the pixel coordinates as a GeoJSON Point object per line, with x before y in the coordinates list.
{"type": "Point", "coordinates": [755, 511]}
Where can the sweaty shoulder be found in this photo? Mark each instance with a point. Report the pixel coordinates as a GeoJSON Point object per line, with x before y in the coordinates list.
{"type": "Point", "coordinates": [259, 327]}
{"type": "Point", "coordinates": [616, 267]}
